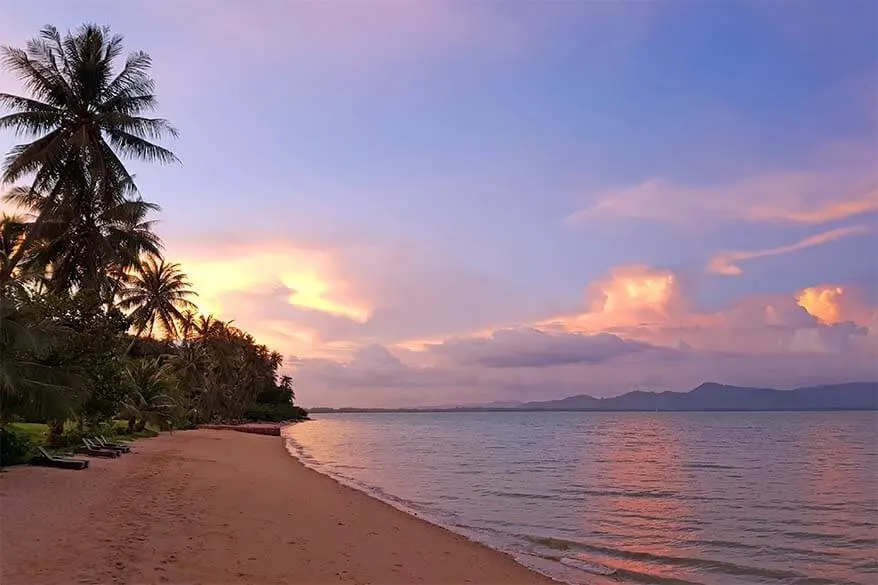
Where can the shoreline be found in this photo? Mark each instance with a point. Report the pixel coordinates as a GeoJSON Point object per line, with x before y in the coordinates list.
{"type": "Point", "coordinates": [223, 508]}
{"type": "Point", "coordinates": [404, 507]}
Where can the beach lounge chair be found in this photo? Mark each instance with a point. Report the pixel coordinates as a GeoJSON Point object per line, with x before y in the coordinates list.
{"type": "Point", "coordinates": [96, 443]}
{"type": "Point", "coordinates": [102, 442]}
{"type": "Point", "coordinates": [92, 451]}
{"type": "Point", "coordinates": [46, 459]}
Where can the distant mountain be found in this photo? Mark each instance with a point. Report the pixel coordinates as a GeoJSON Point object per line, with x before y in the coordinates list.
{"type": "Point", "coordinates": [710, 396]}
{"type": "Point", "coordinates": [713, 396]}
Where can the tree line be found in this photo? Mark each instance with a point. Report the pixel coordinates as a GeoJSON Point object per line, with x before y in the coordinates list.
{"type": "Point", "coordinates": [96, 325]}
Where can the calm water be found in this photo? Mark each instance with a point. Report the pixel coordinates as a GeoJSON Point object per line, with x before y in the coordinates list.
{"type": "Point", "coordinates": [716, 498]}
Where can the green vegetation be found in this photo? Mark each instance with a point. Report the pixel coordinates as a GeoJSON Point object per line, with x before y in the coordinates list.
{"type": "Point", "coordinates": [95, 325]}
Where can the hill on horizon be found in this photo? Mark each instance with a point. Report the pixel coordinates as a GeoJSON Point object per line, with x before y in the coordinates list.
{"type": "Point", "coordinates": [709, 396]}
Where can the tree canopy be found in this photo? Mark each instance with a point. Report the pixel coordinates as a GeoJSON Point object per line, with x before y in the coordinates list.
{"type": "Point", "coordinates": [95, 323]}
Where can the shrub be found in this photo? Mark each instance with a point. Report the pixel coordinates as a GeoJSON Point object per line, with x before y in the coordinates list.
{"type": "Point", "coordinates": [274, 412]}
{"type": "Point", "coordinates": [71, 438]}
{"type": "Point", "coordinates": [15, 447]}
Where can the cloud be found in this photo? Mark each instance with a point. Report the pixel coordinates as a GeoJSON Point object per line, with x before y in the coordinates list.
{"type": "Point", "coordinates": [648, 305]}
{"type": "Point", "coordinates": [831, 303]}
{"type": "Point", "coordinates": [638, 329]}
{"type": "Point", "coordinates": [798, 197]}
{"type": "Point", "coordinates": [726, 263]}
{"type": "Point", "coordinates": [632, 295]}
{"type": "Point", "coordinates": [532, 348]}
{"type": "Point", "coordinates": [364, 381]}
{"type": "Point", "coordinates": [318, 298]}
{"type": "Point", "coordinates": [307, 277]}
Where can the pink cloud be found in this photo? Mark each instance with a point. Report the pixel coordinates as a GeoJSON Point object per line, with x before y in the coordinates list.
{"type": "Point", "coordinates": [651, 306]}
{"type": "Point", "coordinates": [800, 197]}
{"type": "Point", "coordinates": [726, 263]}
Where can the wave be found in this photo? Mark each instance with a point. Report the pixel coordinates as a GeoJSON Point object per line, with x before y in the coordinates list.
{"type": "Point", "coordinates": [703, 564]}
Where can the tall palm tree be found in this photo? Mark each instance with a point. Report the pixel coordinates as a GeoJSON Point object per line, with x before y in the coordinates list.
{"type": "Point", "coordinates": [157, 293]}
{"type": "Point", "coordinates": [85, 115]}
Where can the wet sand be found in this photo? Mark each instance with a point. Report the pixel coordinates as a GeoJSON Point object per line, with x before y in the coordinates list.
{"type": "Point", "coordinates": [219, 507]}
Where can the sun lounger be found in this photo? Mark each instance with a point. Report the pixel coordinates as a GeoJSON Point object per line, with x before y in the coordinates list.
{"type": "Point", "coordinates": [93, 451]}
{"type": "Point", "coordinates": [46, 459]}
{"type": "Point", "coordinates": [102, 442]}
{"type": "Point", "coordinates": [96, 444]}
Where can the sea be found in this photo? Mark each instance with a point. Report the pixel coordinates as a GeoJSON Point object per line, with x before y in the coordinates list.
{"type": "Point", "coordinates": [723, 498]}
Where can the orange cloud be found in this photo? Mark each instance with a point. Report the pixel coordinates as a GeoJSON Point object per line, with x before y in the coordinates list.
{"type": "Point", "coordinates": [633, 289]}
{"type": "Point", "coordinates": [312, 279]}
{"type": "Point", "coordinates": [831, 303]}
{"type": "Point", "coordinates": [726, 263]}
{"type": "Point", "coordinates": [629, 296]}
{"type": "Point", "coordinates": [645, 304]}
{"type": "Point", "coordinates": [804, 197]}
{"type": "Point", "coordinates": [821, 302]}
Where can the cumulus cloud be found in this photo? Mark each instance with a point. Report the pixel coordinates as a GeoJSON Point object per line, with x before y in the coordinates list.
{"type": "Point", "coordinates": [830, 303]}
{"type": "Point", "coordinates": [651, 306]}
{"type": "Point", "coordinates": [726, 263]}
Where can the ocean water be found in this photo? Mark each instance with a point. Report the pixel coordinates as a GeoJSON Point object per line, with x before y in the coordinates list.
{"type": "Point", "coordinates": [714, 498]}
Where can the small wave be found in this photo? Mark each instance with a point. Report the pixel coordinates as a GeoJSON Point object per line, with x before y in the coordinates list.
{"type": "Point", "coordinates": [527, 495]}
{"type": "Point", "coordinates": [668, 560]}
{"type": "Point", "coordinates": [587, 566]}
{"type": "Point", "coordinates": [698, 465]}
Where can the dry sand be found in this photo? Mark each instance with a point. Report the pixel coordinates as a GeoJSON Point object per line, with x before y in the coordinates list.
{"type": "Point", "coordinates": [215, 508]}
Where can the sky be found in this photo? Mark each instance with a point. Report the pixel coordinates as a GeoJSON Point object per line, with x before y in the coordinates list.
{"type": "Point", "coordinates": [428, 202]}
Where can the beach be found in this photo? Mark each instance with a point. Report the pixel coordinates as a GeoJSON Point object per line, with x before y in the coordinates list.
{"type": "Point", "coordinates": [219, 507]}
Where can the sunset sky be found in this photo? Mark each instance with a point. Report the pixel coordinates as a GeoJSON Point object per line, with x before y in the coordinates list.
{"type": "Point", "coordinates": [425, 202]}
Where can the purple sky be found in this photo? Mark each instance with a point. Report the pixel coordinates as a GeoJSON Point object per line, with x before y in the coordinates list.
{"type": "Point", "coordinates": [454, 202]}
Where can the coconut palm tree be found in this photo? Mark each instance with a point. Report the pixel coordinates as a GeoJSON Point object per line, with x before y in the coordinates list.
{"type": "Point", "coordinates": [150, 383]}
{"type": "Point", "coordinates": [13, 229]}
{"type": "Point", "coordinates": [84, 244]}
{"type": "Point", "coordinates": [85, 115]}
{"type": "Point", "coordinates": [157, 292]}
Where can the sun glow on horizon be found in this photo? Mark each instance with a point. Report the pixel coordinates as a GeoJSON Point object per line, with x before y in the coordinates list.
{"type": "Point", "coordinates": [247, 284]}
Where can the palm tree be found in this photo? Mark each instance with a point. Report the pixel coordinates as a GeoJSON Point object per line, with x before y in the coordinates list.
{"type": "Point", "coordinates": [13, 229]}
{"type": "Point", "coordinates": [82, 243]}
{"type": "Point", "coordinates": [150, 383]}
{"type": "Point", "coordinates": [157, 293]}
{"type": "Point", "coordinates": [29, 387]}
{"type": "Point", "coordinates": [85, 116]}
{"type": "Point", "coordinates": [286, 384]}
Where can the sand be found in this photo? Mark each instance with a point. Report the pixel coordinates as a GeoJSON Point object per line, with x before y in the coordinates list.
{"type": "Point", "coordinates": [219, 507]}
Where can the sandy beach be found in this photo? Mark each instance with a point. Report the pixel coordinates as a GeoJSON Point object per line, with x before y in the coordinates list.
{"type": "Point", "coordinates": [219, 507]}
